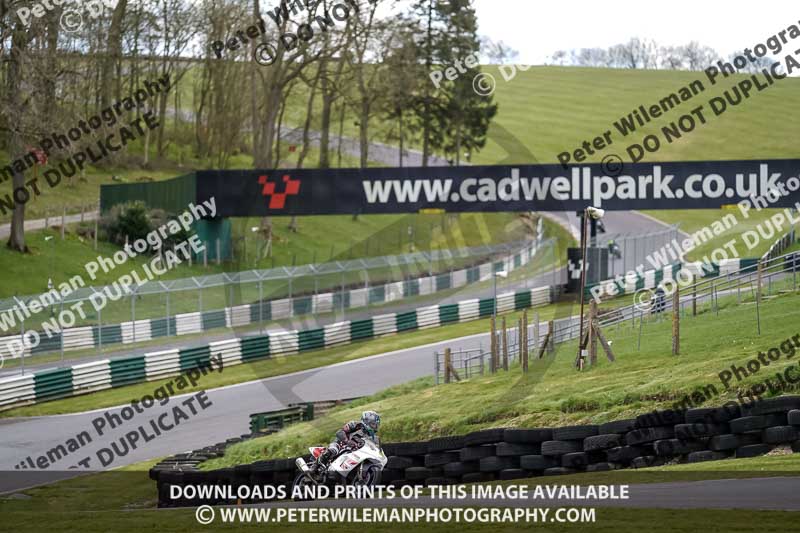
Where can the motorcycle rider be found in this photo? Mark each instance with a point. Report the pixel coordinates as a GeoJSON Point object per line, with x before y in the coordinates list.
{"type": "Point", "coordinates": [614, 249]}
{"type": "Point", "coordinates": [366, 428]}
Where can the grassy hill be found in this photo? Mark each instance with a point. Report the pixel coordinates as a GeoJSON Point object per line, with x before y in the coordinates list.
{"type": "Point", "coordinates": [553, 393]}
{"type": "Point", "coordinates": [554, 109]}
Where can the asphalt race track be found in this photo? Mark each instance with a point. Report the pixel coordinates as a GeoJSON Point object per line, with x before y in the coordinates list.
{"type": "Point", "coordinates": [227, 414]}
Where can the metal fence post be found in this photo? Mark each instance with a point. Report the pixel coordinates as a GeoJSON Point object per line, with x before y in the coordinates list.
{"type": "Point", "coordinates": [133, 314]}
{"type": "Point", "coordinates": [341, 294]}
{"type": "Point", "coordinates": [505, 346]}
{"type": "Point", "coordinates": [260, 307]}
{"type": "Point", "coordinates": [61, 329]}
{"type": "Point", "coordinates": [100, 328]}
{"type": "Point", "coordinates": [22, 339]}
{"type": "Point", "coordinates": [168, 291]}
{"type": "Point", "coordinates": [366, 292]}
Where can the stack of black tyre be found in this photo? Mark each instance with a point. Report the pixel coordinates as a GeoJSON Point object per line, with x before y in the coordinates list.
{"type": "Point", "coordinates": [652, 439]}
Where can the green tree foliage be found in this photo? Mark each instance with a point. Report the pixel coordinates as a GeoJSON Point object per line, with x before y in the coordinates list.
{"type": "Point", "coordinates": [455, 119]}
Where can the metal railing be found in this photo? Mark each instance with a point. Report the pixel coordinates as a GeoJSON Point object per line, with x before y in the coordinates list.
{"type": "Point", "coordinates": [634, 249]}
{"type": "Point", "coordinates": [752, 282]}
{"type": "Point", "coordinates": [167, 301]}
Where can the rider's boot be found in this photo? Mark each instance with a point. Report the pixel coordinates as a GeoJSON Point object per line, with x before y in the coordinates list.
{"type": "Point", "coordinates": [323, 461]}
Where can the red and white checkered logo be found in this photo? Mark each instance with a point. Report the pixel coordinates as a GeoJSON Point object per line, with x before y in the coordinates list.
{"type": "Point", "coordinates": [277, 200]}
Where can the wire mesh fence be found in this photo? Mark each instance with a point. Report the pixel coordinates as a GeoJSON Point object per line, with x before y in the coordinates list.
{"type": "Point", "coordinates": [646, 322]}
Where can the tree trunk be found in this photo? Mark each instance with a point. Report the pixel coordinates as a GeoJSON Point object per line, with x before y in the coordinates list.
{"type": "Point", "coordinates": [307, 125]}
{"type": "Point", "coordinates": [341, 133]}
{"type": "Point", "coordinates": [162, 116]}
{"type": "Point", "coordinates": [254, 94]}
{"type": "Point", "coordinates": [114, 53]}
{"type": "Point", "coordinates": [458, 144]}
{"type": "Point", "coordinates": [325, 131]}
{"type": "Point", "coordinates": [426, 120]}
{"type": "Point", "coordinates": [278, 134]}
{"type": "Point", "coordinates": [363, 130]}
{"type": "Point", "coordinates": [400, 134]}
{"type": "Point", "coordinates": [18, 110]}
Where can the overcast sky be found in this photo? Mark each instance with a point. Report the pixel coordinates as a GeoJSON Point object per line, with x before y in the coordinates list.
{"type": "Point", "coordinates": [538, 28]}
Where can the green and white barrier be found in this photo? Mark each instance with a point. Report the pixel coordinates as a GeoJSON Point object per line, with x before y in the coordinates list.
{"type": "Point", "coordinates": [246, 314]}
{"type": "Point", "coordinates": [651, 279]}
{"type": "Point", "coordinates": [111, 373]}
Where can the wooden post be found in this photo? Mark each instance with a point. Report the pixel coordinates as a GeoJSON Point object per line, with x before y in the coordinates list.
{"type": "Point", "coordinates": [447, 365]}
{"type": "Point", "coordinates": [592, 332]}
{"type": "Point", "coordinates": [63, 220]}
{"type": "Point", "coordinates": [46, 218]}
{"type": "Point", "coordinates": [547, 344]}
{"type": "Point", "coordinates": [493, 340]}
{"type": "Point", "coordinates": [604, 344]}
{"type": "Point", "coordinates": [505, 346]}
{"type": "Point", "coordinates": [525, 331]}
{"type": "Point", "coordinates": [694, 299]}
{"type": "Point", "coordinates": [676, 322]}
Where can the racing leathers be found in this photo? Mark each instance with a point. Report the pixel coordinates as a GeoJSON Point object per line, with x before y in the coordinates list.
{"type": "Point", "coordinates": [352, 431]}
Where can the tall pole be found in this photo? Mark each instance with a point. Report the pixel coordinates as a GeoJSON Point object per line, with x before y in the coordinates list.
{"type": "Point", "coordinates": [579, 360]}
{"type": "Point", "coordinates": [494, 292]}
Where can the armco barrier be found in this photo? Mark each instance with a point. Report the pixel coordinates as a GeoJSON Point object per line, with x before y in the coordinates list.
{"type": "Point", "coordinates": [247, 314]}
{"type": "Point", "coordinates": [653, 439]}
{"type": "Point", "coordinates": [98, 375]}
{"type": "Point", "coordinates": [651, 279]}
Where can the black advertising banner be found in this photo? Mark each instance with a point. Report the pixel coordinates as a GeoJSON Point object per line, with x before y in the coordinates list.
{"type": "Point", "coordinates": [685, 185]}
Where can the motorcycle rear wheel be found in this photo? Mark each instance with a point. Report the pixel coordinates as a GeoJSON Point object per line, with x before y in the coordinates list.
{"type": "Point", "coordinates": [370, 476]}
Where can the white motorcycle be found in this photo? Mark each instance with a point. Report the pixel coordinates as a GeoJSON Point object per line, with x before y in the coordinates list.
{"type": "Point", "coordinates": [360, 464]}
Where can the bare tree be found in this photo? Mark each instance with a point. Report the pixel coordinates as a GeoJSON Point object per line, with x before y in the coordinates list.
{"type": "Point", "coordinates": [498, 52]}
{"type": "Point", "coordinates": [367, 66]}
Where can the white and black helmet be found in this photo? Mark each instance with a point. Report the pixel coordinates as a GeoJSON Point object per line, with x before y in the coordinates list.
{"type": "Point", "coordinates": [371, 421]}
